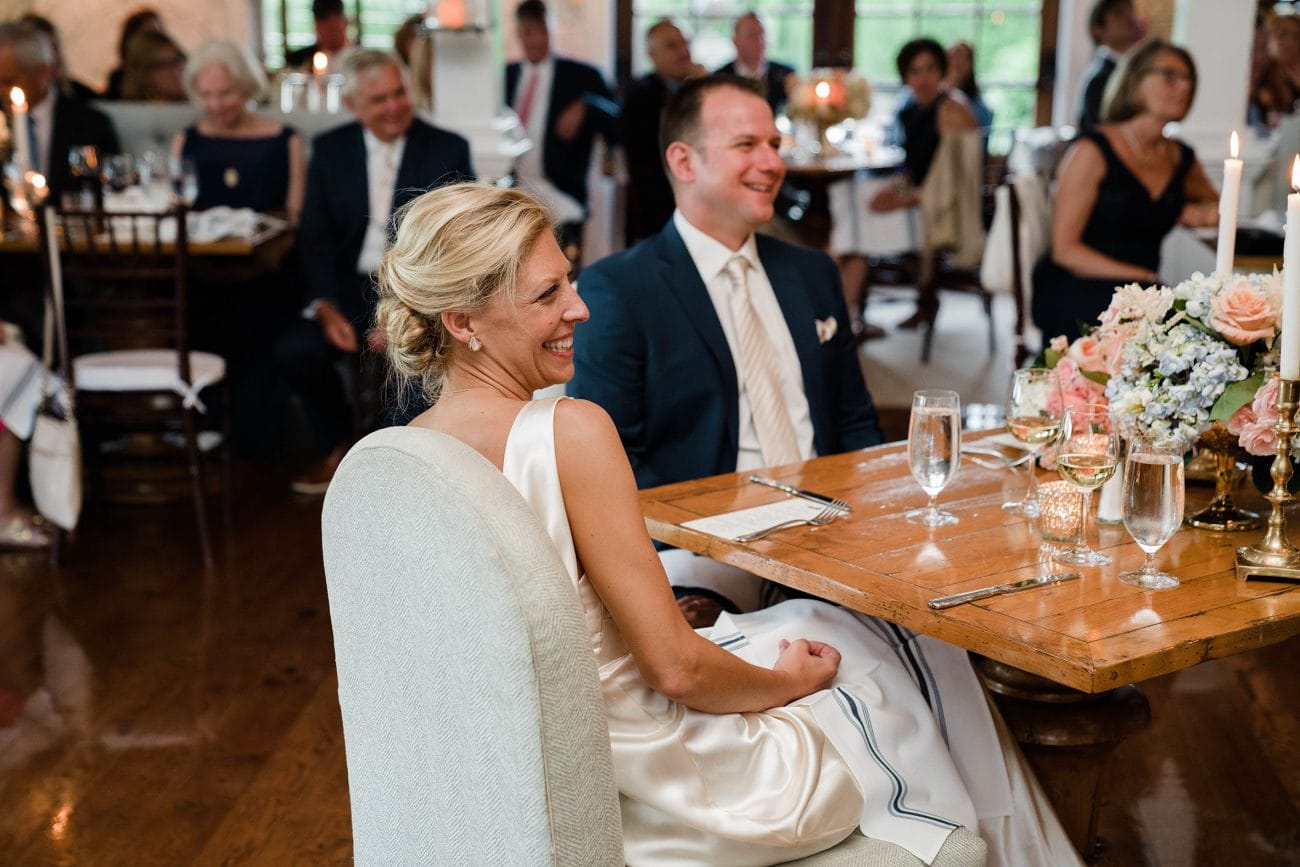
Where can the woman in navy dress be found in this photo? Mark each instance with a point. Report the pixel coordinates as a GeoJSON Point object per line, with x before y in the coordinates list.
{"type": "Point", "coordinates": [1121, 188]}
{"type": "Point", "coordinates": [243, 160]}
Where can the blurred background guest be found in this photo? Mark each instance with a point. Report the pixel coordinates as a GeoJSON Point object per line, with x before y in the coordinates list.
{"type": "Point", "coordinates": [68, 86]}
{"type": "Point", "coordinates": [752, 62]}
{"type": "Point", "coordinates": [331, 22]}
{"type": "Point", "coordinates": [562, 104]}
{"type": "Point", "coordinates": [1121, 188]}
{"type": "Point", "coordinates": [961, 77]}
{"type": "Point", "coordinates": [1114, 28]}
{"type": "Point", "coordinates": [1277, 88]}
{"type": "Point", "coordinates": [137, 22]}
{"type": "Point", "coordinates": [649, 197]}
{"type": "Point", "coordinates": [154, 69]}
{"type": "Point", "coordinates": [243, 159]}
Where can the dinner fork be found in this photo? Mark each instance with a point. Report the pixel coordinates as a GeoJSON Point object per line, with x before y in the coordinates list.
{"type": "Point", "coordinates": [825, 516]}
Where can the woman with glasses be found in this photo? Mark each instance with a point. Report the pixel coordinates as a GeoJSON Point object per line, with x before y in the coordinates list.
{"type": "Point", "coordinates": [1121, 188]}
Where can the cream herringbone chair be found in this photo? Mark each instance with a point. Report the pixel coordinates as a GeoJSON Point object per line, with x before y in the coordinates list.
{"type": "Point", "coordinates": [472, 715]}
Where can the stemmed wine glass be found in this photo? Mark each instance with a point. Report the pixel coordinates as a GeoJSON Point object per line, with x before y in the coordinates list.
{"type": "Point", "coordinates": [1087, 457]}
{"type": "Point", "coordinates": [83, 165]}
{"type": "Point", "coordinates": [934, 450]}
{"type": "Point", "coordinates": [1033, 418]}
{"type": "Point", "coordinates": [185, 179]}
{"type": "Point", "coordinates": [119, 172]}
{"type": "Point", "coordinates": [1153, 505]}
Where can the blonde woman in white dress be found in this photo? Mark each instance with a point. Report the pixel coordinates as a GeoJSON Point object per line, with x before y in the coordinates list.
{"type": "Point", "coordinates": [765, 738]}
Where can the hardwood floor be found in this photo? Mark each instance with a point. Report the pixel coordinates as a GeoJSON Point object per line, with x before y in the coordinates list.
{"type": "Point", "coordinates": [152, 714]}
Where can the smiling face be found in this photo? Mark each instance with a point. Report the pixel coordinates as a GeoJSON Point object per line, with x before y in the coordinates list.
{"type": "Point", "coordinates": [669, 52]}
{"type": "Point", "coordinates": [727, 179]}
{"type": "Point", "coordinates": [381, 102]}
{"type": "Point", "coordinates": [529, 337]}
{"type": "Point", "coordinates": [224, 104]}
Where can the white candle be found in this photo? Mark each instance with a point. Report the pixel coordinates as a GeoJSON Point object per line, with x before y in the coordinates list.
{"type": "Point", "coordinates": [1228, 202]}
{"type": "Point", "coordinates": [22, 137]}
{"type": "Point", "coordinates": [317, 84]}
{"type": "Point", "coordinates": [1290, 367]}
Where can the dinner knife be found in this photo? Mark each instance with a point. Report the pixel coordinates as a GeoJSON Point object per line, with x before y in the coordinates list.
{"type": "Point", "coordinates": [998, 589]}
{"type": "Point", "coordinates": [798, 492]}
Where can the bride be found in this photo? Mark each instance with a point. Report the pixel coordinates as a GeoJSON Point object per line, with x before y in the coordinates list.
{"type": "Point", "coordinates": [764, 738]}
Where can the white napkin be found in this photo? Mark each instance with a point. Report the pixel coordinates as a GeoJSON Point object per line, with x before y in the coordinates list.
{"type": "Point", "coordinates": [729, 525]}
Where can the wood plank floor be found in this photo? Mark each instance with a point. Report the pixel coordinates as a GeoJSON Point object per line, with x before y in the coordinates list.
{"type": "Point", "coordinates": [152, 714]}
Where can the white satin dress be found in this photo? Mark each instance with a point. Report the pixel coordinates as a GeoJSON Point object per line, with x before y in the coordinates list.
{"type": "Point", "coordinates": [902, 746]}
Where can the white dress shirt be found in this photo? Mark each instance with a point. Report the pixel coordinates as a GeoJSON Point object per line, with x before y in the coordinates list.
{"type": "Point", "coordinates": [41, 118]}
{"type": "Point", "coordinates": [710, 257]}
{"type": "Point", "coordinates": [383, 159]}
{"type": "Point", "coordinates": [529, 165]}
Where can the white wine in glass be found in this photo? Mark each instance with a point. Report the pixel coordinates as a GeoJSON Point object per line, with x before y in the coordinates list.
{"type": "Point", "coordinates": [1087, 458]}
{"type": "Point", "coordinates": [1153, 507]}
{"type": "Point", "coordinates": [934, 450]}
{"type": "Point", "coordinates": [1033, 418]}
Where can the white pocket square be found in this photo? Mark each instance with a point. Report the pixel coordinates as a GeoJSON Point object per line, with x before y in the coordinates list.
{"type": "Point", "coordinates": [826, 328]}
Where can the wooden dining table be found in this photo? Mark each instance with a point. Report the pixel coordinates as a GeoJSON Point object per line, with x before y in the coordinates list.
{"type": "Point", "coordinates": [1058, 657]}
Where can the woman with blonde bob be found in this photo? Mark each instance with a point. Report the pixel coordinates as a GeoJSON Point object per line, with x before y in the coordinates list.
{"type": "Point", "coordinates": [1122, 187]}
{"type": "Point", "coordinates": [745, 755]}
{"type": "Point", "coordinates": [243, 160]}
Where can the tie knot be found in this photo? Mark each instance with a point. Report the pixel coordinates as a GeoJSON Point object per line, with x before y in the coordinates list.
{"type": "Point", "coordinates": [737, 268]}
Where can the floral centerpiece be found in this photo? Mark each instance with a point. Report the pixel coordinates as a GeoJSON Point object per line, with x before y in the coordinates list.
{"type": "Point", "coordinates": [825, 97]}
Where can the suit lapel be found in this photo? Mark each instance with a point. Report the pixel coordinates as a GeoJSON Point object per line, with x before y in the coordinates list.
{"type": "Point", "coordinates": [788, 286]}
{"type": "Point", "coordinates": [356, 183]}
{"type": "Point", "coordinates": [683, 282]}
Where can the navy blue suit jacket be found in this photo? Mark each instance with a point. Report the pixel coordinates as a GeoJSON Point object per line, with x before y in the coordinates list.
{"type": "Point", "coordinates": [566, 163]}
{"type": "Point", "coordinates": [773, 82]}
{"type": "Point", "coordinates": [654, 356]}
{"type": "Point", "coordinates": [336, 209]}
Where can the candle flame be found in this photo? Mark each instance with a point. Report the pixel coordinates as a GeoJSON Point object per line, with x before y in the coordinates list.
{"type": "Point", "coordinates": [1234, 144]}
{"type": "Point", "coordinates": [17, 98]}
{"type": "Point", "coordinates": [1295, 174]}
{"type": "Point", "coordinates": [319, 61]}
{"type": "Point", "coordinates": [38, 181]}
{"type": "Point", "coordinates": [823, 89]}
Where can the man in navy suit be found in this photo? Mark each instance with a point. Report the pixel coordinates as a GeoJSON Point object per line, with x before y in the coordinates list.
{"type": "Point", "coordinates": [1114, 28]}
{"type": "Point", "coordinates": [665, 350]}
{"type": "Point", "coordinates": [359, 175]}
{"type": "Point", "coordinates": [563, 105]}
{"type": "Point", "coordinates": [751, 60]}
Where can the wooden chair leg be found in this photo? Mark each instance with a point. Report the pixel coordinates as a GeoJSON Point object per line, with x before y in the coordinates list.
{"type": "Point", "coordinates": [196, 485]}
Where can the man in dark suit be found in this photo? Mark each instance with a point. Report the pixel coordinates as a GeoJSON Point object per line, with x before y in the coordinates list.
{"type": "Point", "coordinates": [649, 197]}
{"type": "Point", "coordinates": [56, 123]}
{"type": "Point", "coordinates": [1115, 29]}
{"type": "Point", "coordinates": [751, 60]}
{"type": "Point", "coordinates": [705, 370]}
{"type": "Point", "coordinates": [359, 175]}
{"type": "Point", "coordinates": [331, 22]}
{"type": "Point", "coordinates": [562, 105]}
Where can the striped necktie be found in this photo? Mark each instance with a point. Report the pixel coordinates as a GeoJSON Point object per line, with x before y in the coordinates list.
{"type": "Point", "coordinates": [760, 378]}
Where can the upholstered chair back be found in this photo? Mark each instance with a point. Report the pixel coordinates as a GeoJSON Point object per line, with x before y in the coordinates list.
{"type": "Point", "coordinates": [472, 715]}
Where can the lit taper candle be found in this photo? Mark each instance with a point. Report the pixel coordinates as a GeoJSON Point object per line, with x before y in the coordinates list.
{"type": "Point", "coordinates": [1229, 200]}
{"type": "Point", "coordinates": [1290, 366]}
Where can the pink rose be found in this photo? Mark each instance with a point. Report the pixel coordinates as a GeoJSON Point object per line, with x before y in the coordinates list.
{"type": "Point", "coordinates": [1242, 315]}
{"type": "Point", "coordinates": [1111, 347]}
{"type": "Point", "coordinates": [1076, 389]}
{"type": "Point", "coordinates": [1059, 344]}
{"type": "Point", "coordinates": [1086, 352]}
{"type": "Point", "coordinates": [1253, 424]}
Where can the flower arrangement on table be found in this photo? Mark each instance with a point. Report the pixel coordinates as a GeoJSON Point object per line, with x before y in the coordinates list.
{"type": "Point", "coordinates": [1172, 362]}
{"type": "Point", "coordinates": [825, 97]}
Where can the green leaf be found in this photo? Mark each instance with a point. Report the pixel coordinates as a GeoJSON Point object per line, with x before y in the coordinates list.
{"type": "Point", "coordinates": [1097, 376]}
{"type": "Point", "coordinates": [1051, 357]}
{"type": "Point", "coordinates": [1236, 396]}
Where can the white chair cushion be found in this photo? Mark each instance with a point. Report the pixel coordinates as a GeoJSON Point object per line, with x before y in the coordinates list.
{"type": "Point", "coordinates": [148, 370]}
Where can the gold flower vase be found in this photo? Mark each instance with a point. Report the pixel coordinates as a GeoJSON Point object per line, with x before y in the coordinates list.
{"type": "Point", "coordinates": [1222, 513]}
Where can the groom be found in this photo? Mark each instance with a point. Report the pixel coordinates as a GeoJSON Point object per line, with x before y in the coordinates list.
{"type": "Point", "coordinates": [712, 348]}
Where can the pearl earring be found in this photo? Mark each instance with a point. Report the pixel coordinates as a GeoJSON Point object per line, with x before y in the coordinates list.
{"type": "Point", "coordinates": [474, 343]}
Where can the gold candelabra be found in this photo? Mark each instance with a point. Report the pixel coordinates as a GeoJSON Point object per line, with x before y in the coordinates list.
{"type": "Point", "coordinates": [1274, 556]}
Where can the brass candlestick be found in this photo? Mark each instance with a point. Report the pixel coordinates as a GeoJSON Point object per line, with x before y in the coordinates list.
{"type": "Point", "coordinates": [1275, 557]}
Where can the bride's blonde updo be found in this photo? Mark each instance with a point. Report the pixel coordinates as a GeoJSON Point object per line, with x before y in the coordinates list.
{"type": "Point", "coordinates": [456, 248]}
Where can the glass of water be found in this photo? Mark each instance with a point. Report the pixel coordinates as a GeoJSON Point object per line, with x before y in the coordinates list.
{"type": "Point", "coordinates": [1153, 505]}
{"type": "Point", "coordinates": [1033, 418]}
{"type": "Point", "coordinates": [185, 179]}
{"type": "Point", "coordinates": [934, 450]}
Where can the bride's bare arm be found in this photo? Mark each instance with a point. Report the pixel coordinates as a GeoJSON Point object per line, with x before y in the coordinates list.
{"type": "Point", "coordinates": [620, 561]}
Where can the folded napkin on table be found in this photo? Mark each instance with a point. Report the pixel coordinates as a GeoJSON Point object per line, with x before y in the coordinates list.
{"type": "Point", "coordinates": [203, 226]}
{"type": "Point", "coordinates": [729, 525]}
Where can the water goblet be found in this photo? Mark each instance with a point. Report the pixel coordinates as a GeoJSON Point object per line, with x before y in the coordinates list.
{"type": "Point", "coordinates": [1087, 457]}
{"type": "Point", "coordinates": [934, 450]}
{"type": "Point", "coordinates": [1153, 505]}
{"type": "Point", "coordinates": [185, 179]}
{"type": "Point", "coordinates": [1033, 418]}
{"type": "Point", "coordinates": [119, 172]}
